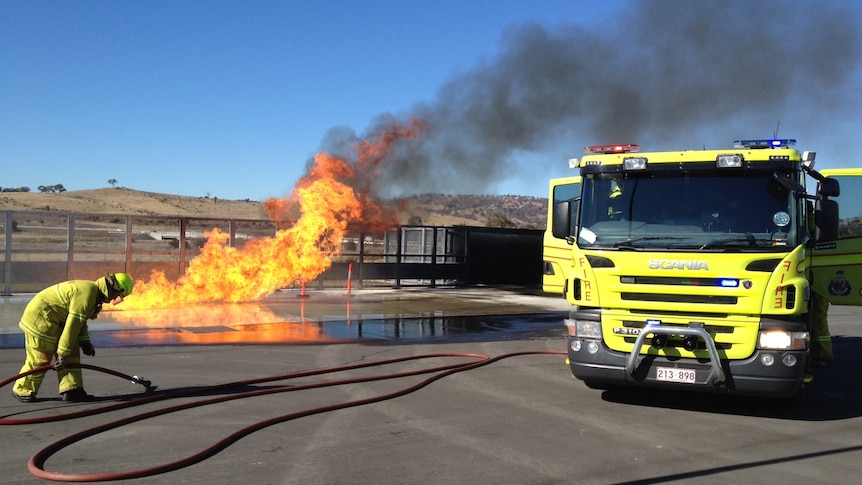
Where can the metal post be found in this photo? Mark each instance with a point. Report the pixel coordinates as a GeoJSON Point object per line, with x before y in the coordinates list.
{"type": "Point", "coordinates": [434, 257]}
{"type": "Point", "coordinates": [361, 259]}
{"type": "Point", "coordinates": [128, 267]}
{"type": "Point", "coordinates": [182, 242]}
{"type": "Point", "coordinates": [7, 258]}
{"type": "Point", "coordinates": [398, 254]}
{"type": "Point", "coordinates": [70, 245]}
{"type": "Point", "coordinates": [466, 256]}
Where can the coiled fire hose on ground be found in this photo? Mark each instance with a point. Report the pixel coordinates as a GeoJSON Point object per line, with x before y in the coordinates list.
{"type": "Point", "coordinates": [36, 464]}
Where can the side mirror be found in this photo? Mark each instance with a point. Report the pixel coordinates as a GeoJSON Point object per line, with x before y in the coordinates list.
{"type": "Point", "coordinates": [826, 220]}
{"type": "Point", "coordinates": [561, 219]}
{"type": "Point", "coordinates": [829, 187]}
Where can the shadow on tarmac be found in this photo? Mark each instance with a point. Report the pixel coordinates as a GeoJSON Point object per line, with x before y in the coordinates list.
{"type": "Point", "coordinates": [836, 393]}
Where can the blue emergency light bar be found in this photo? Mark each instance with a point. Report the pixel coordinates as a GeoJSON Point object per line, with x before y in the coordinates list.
{"type": "Point", "coordinates": [760, 144]}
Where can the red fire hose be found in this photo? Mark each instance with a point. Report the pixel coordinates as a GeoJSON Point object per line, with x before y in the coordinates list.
{"type": "Point", "coordinates": [37, 461]}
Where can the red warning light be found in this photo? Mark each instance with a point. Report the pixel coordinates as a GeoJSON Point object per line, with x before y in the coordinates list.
{"type": "Point", "coordinates": [597, 149]}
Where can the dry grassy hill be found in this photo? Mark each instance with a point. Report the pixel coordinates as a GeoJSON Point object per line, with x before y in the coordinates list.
{"type": "Point", "coordinates": [429, 209]}
{"type": "Point", "coordinates": [478, 210]}
{"type": "Point", "coordinates": [130, 202]}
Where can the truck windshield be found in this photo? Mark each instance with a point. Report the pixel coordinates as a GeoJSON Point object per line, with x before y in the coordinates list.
{"type": "Point", "coordinates": [709, 211]}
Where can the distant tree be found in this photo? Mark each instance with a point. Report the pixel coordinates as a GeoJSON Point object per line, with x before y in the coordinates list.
{"type": "Point", "coordinates": [51, 188]}
{"type": "Point", "coordinates": [500, 220]}
{"type": "Point", "coordinates": [414, 221]}
{"type": "Point", "coordinates": [113, 183]}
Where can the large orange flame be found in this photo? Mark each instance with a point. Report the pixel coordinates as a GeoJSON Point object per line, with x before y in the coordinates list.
{"type": "Point", "coordinates": [335, 194]}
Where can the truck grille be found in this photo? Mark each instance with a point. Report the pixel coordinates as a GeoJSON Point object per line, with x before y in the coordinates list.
{"type": "Point", "coordinates": [726, 337]}
{"type": "Point", "coordinates": [663, 297]}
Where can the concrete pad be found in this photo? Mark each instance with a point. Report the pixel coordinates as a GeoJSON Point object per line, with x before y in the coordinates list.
{"type": "Point", "coordinates": [522, 419]}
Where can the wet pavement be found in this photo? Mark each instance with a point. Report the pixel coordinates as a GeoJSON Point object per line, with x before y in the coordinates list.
{"type": "Point", "coordinates": [386, 405]}
{"type": "Point", "coordinates": [319, 316]}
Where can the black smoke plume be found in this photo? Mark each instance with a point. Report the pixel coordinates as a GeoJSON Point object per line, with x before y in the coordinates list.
{"type": "Point", "coordinates": [664, 74]}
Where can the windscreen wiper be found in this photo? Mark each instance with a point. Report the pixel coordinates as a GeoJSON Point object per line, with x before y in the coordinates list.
{"type": "Point", "coordinates": [747, 239]}
{"type": "Point", "coordinates": [628, 242]}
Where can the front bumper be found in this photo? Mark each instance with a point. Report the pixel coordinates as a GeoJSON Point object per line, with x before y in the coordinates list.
{"type": "Point", "coordinates": [605, 367]}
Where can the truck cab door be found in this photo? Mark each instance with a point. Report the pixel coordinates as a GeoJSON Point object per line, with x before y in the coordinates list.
{"type": "Point", "coordinates": [837, 266]}
{"type": "Point", "coordinates": [557, 252]}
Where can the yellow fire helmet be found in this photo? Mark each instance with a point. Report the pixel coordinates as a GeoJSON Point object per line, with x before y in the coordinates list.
{"type": "Point", "coordinates": [122, 282]}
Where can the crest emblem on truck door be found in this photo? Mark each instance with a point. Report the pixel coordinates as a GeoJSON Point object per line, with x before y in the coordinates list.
{"type": "Point", "coordinates": [839, 286]}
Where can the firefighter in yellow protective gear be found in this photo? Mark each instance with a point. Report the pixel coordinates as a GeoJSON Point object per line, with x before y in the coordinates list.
{"type": "Point", "coordinates": [616, 192]}
{"type": "Point", "coordinates": [55, 325]}
{"type": "Point", "coordinates": [821, 340]}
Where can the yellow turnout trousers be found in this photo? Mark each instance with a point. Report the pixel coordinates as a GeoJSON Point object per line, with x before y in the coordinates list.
{"type": "Point", "coordinates": [40, 353]}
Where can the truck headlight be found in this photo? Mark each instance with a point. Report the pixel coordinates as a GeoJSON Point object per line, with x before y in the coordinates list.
{"type": "Point", "coordinates": [725, 161]}
{"type": "Point", "coordinates": [583, 328]}
{"type": "Point", "coordinates": [782, 340]}
{"type": "Point", "coordinates": [634, 163]}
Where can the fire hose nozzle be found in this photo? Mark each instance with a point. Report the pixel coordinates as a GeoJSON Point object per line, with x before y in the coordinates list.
{"type": "Point", "coordinates": [141, 381]}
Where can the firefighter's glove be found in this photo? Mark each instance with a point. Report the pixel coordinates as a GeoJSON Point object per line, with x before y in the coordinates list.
{"type": "Point", "coordinates": [60, 363]}
{"type": "Point", "coordinates": [87, 348]}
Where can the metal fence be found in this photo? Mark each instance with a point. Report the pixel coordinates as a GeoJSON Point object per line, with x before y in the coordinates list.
{"type": "Point", "coordinates": [43, 247]}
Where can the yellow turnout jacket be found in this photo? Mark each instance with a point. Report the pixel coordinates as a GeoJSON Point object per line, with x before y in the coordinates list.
{"type": "Point", "coordinates": [59, 313]}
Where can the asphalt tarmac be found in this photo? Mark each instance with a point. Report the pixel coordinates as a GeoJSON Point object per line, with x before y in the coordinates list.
{"type": "Point", "coordinates": [246, 395]}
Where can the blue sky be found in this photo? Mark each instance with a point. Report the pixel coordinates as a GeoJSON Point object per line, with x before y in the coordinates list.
{"type": "Point", "coordinates": [231, 99]}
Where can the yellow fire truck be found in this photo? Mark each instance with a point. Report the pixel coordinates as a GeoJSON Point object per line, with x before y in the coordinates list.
{"type": "Point", "coordinates": [694, 269]}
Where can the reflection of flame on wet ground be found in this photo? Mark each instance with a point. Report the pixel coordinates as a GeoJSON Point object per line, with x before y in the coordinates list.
{"type": "Point", "coordinates": [214, 324]}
